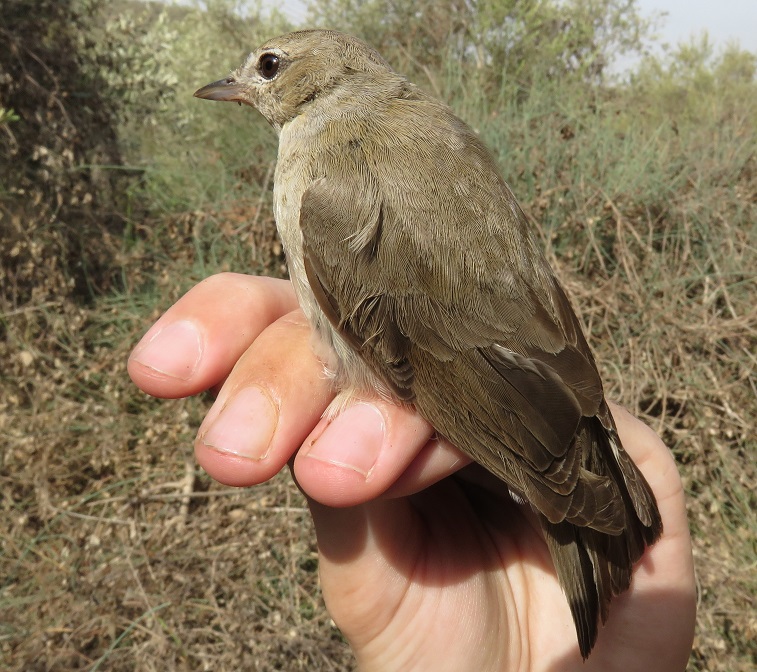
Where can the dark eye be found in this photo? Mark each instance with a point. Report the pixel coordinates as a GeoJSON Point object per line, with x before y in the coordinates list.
{"type": "Point", "coordinates": [268, 65]}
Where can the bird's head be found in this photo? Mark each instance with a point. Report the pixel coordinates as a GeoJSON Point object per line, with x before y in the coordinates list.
{"type": "Point", "coordinates": [290, 72]}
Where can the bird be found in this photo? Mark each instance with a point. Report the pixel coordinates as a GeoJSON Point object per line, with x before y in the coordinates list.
{"type": "Point", "coordinates": [425, 284]}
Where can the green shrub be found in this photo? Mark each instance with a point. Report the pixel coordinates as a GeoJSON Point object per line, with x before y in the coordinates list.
{"type": "Point", "coordinates": [59, 209]}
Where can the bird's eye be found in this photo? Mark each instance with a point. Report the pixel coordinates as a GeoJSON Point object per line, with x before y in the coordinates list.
{"type": "Point", "coordinates": [268, 65]}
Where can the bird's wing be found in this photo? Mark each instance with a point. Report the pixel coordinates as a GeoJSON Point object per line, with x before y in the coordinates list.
{"type": "Point", "coordinates": [438, 308]}
{"type": "Point", "coordinates": [420, 256]}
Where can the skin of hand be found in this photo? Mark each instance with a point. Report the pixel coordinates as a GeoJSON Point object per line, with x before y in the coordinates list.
{"type": "Point", "coordinates": [415, 570]}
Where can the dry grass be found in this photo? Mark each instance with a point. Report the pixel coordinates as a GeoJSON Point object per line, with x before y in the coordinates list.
{"type": "Point", "coordinates": [676, 336]}
{"type": "Point", "coordinates": [116, 554]}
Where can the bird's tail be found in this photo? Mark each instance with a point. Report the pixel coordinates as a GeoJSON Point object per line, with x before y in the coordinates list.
{"type": "Point", "coordinates": [593, 566]}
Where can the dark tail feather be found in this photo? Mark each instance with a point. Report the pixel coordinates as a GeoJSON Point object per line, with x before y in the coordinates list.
{"type": "Point", "coordinates": [575, 571]}
{"type": "Point", "coordinates": [593, 566]}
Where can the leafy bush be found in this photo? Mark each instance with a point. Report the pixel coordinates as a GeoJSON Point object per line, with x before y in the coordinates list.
{"type": "Point", "coordinates": [59, 210]}
{"type": "Point", "coordinates": [497, 42]}
{"type": "Point", "coordinates": [98, 127]}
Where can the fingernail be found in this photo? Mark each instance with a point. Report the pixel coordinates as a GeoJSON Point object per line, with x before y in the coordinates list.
{"type": "Point", "coordinates": [352, 440]}
{"type": "Point", "coordinates": [174, 351]}
{"type": "Point", "coordinates": [245, 426]}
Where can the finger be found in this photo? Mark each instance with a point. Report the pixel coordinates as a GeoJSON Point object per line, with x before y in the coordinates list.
{"type": "Point", "coordinates": [664, 586]}
{"type": "Point", "coordinates": [370, 449]}
{"type": "Point", "coordinates": [195, 344]}
{"type": "Point", "coordinates": [437, 459]}
{"type": "Point", "coordinates": [671, 556]}
{"type": "Point", "coordinates": [269, 403]}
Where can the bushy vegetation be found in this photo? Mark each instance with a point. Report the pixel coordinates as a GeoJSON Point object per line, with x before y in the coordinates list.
{"type": "Point", "coordinates": [119, 191]}
{"type": "Point", "coordinates": [58, 129]}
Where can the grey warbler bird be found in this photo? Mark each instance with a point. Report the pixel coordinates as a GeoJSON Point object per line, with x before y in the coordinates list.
{"type": "Point", "coordinates": [425, 284]}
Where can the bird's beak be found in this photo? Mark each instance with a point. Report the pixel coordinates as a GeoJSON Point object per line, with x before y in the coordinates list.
{"type": "Point", "coordinates": [224, 89]}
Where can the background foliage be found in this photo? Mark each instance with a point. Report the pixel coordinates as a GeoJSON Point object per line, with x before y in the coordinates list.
{"type": "Point", "coordinates": [118, 191]}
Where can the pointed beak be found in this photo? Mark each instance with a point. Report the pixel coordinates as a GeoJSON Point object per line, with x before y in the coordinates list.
{"type": "Point", "coordinates": [224, 89]}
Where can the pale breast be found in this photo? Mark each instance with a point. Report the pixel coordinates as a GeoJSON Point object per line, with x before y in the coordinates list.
{"type": "Point", "coordinates": [295, 172]}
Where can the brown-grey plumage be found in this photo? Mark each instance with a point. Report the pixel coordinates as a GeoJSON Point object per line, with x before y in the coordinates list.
{"type": "Point", "coordinates": [416, 266]}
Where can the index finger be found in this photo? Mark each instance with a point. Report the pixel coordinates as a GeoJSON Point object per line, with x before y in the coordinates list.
{"type": "Point", "coordinates": [197, 341]}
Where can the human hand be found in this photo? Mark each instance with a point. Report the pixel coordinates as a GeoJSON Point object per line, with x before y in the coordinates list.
{"type": "Point", "coordinates": [425, 563]}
